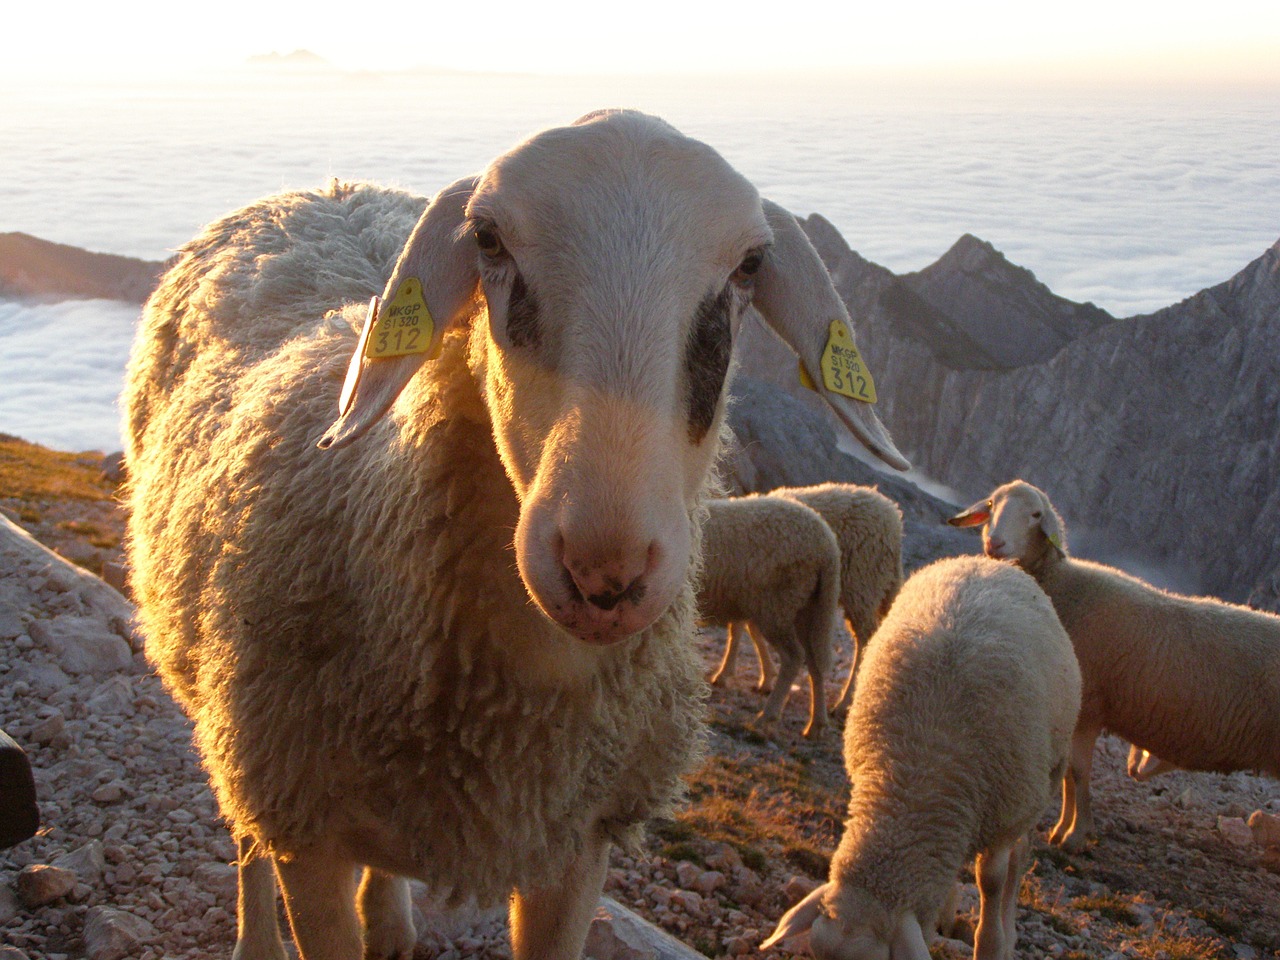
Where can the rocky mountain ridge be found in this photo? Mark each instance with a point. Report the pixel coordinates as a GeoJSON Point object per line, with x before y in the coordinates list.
{"type": "Point", "coordinates": [1155, 435]}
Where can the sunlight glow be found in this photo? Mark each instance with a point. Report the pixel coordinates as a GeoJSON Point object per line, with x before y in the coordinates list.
{"type": "Point", "coordinates": [1231, 39]}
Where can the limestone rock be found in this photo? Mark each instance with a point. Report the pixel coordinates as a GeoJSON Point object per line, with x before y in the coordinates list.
{"type": "Point", "coordinates": [40, 884]}
{"type": "Point", "coordinates": [111, 934]}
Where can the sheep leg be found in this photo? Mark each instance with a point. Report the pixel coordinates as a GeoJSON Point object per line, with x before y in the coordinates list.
{"type": "Point", "coordinates": [788, 670]}
{"type": "Point", "coordinates": [992, 869]}
{"type": "Point", "coordinates": [1075, 825]}
{"type": "Point", "coordinates": [768, 674]}
{"type": "Point", "coordinates": [551, 923]}
{"type": "Point", "coordinates": [257, 930]}
{"type": "Point", "coordinates": [730, 659]}
{"type": "Point", "coordinates": [846, 692]}
{"type": "Point", "coordinates": [387, 915]}
{"type": "Point", "coordinates": [817, 691]}
{"type": "Point", "coordinates": [1019, 860]}
{"type": "Point", "coordinates": [319, 889]}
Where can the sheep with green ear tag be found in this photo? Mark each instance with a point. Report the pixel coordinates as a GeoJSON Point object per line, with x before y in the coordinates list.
{"type": "Point", "coordinates": [420, 571]}
{"type": "Point", "coordinates": [1192, 680]}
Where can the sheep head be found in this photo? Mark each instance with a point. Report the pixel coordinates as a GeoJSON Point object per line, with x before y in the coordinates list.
{"type": "Point", "coordinates": [838, 922]}
{"type": "Point", "coordinates": [1018, 523]}
{"type": "Point", "coordinates": [604, 269]}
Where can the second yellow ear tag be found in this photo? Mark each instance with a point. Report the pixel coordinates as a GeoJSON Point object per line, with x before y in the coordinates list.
{"type": "Point", "coordinates": [404, 324]}
{"type": "Point", "coordinates": [805, 379]}
{"type": "Point", "coordinates": [843, 370]}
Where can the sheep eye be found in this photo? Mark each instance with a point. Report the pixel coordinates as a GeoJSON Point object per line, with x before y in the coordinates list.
{"type": "Point", "coordinates": [1036, 515]}
{"type": "Point", "coordinates": [487, 241]}
{"type": "Point", "coordinates": [747, 269]}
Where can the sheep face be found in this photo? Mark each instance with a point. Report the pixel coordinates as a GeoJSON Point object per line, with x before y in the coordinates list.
{"type": "Point", "coordinates": [838, 922]}
{"type": "Point", "coordinates": [1018, 523]}
{"type": "Point", "coordinates": [603, 269]}
{"type": "Point", "coordinates": [607, 350]}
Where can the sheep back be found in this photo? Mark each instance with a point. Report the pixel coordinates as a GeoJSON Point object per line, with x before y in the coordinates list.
{"type": "Point", "coordinates": [346, 628]}
{"type": "Point", "coordinates": [959, 729]}
{"type": "Point", "coordinates": [1194, 680]}
{"type": "Point", "coordinates": [773, 562]}
{"type": "Point", "coordinates": [868, 528]}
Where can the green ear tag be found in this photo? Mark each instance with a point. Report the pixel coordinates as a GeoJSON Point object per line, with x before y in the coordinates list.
{"type": "Point", "coordinates": [404, 324]}
{"type": "Point", "coordinates": [843, 370]}
{"type": "Point", "coordinates": [805, 379]}
{"type": "Point", "coordinates": [1054, 539]}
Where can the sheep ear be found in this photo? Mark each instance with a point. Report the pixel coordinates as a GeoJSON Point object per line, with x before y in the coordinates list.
{"type": "Point", "coordinates": [795, 294]}
{"type": "Point", "coordinates": [974, 516]}
{"type": "Point", "coordinates": [908, 940]}
{"type": "Point", "coordinates": [797, 921]}
{"type": "Point", "coordinates": [436, 277]}
{"type": "Point", "coordinates": [1051, 526]}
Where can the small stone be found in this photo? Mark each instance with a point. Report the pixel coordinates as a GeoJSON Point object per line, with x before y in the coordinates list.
{"type": "Point", "coordinates": [1242, 951]}
{"type": "Point", "coordinates": [709, 881]}
{"type": "Point", "coordinates": [1235, 831]}
{"type": "Point", "coordinates": [797, 888]}
{"type": "Point", "coordinates": [85, 862]}
{"type": "Point", "coordinates": [111, 934]}
{"type": "Point", "coordinates": [687, 873]}
{"type": "Point", "coordinates": [108, 792]}
{"type": "Point", "coordinates": [47, 730]}
{"type": "Point", "coordinates": [40, 884]}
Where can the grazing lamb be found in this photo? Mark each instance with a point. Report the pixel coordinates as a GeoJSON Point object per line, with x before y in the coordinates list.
{"type": "Point", "coordinates": [868, 528]}
{"type": "Point", "coordinates": [1193, 680]}
{"type": "Point", "coordinates": [775, 564]}
{"type": "Point", "coordinates": [452, 640]}
{"type": "Point", "coordinates": [959, 730]}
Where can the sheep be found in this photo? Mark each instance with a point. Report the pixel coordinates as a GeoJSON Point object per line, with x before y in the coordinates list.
{"type": "Point", "coordinates": [868, 527]}
{"type": "Point", "coordinates": [1193, 680]}
{"type": "Point", "coordinates": [449, 636]}
{"type": "Point", "coordinates": [774, 563]}
{"type": "Point", "coordinates": [959, 730]}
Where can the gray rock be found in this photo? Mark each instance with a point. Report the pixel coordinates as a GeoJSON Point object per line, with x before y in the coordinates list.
{"type": "Point", "coordinates": [86, 862]}
{"type": "Point", "coordinates": [9, 905]}
{"type": "Point", "coordinates": [82, 644]}
{"type": "Point", "coordinates": [1153, 434]}
{"type": "Point", "coordinates": [619, 934]}
{"type": "Point", "coordinates": [40, 884]}
{"type": "Point", "coordinates": [111, 934]}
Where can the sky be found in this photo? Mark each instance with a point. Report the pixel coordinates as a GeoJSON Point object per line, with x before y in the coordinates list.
{"type": "Point", "coordinates": [1233, 40]}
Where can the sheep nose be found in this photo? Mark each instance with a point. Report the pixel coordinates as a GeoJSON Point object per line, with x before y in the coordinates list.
{"type": "Point", "coordinates": [608, 579]}
{"type": "Point", "coordinates": [994, 546]}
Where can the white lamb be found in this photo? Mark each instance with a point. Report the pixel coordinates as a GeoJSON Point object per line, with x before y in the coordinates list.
{"type": "Point", "coordinates": [458, 649]}
{"type": "Point", "coordinates": [868, 528]}
{"type": "Point", "coordinates": [1193, 680]}
{"type": "Point", "coordinates": [959, 730]}
{"type": "Point", "coordinates": [774, 563]}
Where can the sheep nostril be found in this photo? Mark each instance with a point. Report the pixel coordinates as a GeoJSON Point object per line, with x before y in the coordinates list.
{"type": "Point", "coordinates": [606, 583]}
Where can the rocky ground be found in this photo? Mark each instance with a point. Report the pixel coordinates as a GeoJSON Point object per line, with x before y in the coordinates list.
{"type": "Point", "coordinates": [132, 860]}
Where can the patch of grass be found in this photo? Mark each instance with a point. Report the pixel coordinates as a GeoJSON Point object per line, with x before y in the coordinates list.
{"type": "Point", "coordinates": [682, 851]}
{"type": "Point", "coordinates": [803, 857]}
{"type": "Point", "coordinates": [32, 472]}
{"type": "Point", "coordinates": [1031, 895]}
{"type": "Point", "coordinates": [1168, 947]}
{"type": "Point", "coordinates": [1110, 906]}
{"type": "Point", "coordinates": [94, 533]}
{"type": "Point", "coordinates": [1051, 855]}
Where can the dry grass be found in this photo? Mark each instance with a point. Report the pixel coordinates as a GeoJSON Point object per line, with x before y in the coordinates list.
{"type": "Point", "coordinates": [31, 472]}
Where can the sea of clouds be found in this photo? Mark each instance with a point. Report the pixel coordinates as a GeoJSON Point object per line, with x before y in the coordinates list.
{"type": "Point", "coordinates": [1131, 199]}
{"type": "Point", "coordinates": [61, 369]}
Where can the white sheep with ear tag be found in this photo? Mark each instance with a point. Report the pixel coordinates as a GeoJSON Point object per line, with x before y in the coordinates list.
{"type": "Point", "coordinates": [452, 640]}
{"type": "Point", "coordinates": [1191, 682]}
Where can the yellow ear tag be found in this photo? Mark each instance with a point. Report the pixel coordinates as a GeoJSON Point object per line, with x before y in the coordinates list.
{"type": "Point", "coordinates": [1053, 539]}
{"type": "Point", "coordinates": [805, 379]}
{"type": "Point", "coordinates": [404, 324]}
{"type": "Point", "coordinates": [843, 370]}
